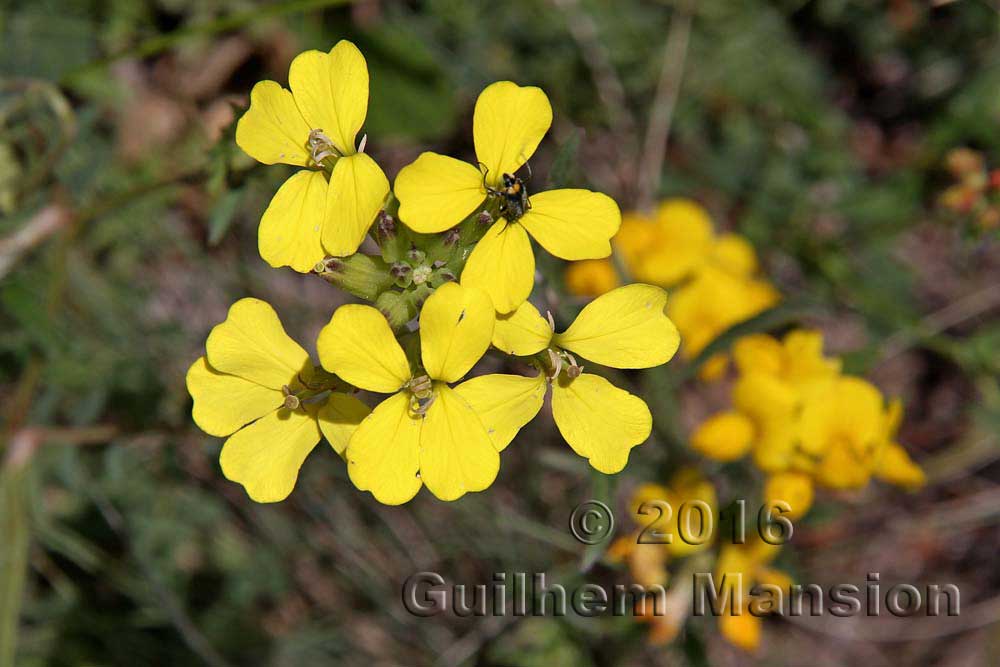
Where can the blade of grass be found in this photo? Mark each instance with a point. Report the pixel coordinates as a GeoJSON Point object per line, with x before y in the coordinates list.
{"type": "Point", "coordinates": [14, 555]}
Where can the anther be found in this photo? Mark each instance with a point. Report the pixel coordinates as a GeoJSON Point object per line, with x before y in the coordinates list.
{"type": "Point", "coordinates": [321, 146]}
{"type": "Point", "coordinates": [291, 400]}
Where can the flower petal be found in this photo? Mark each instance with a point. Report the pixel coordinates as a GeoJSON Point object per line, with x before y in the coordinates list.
{"type": "Point", "coordinates": [522, 332]}
{"type": "Point", "coordinates": [504, 403]}
{"type": "Point", "coordinates": [600, 422]}
{"type": "Point", "coordinates": [331, 91]}
{"type": "Point", "coordinates": [223, 403]}
{"type": "Point", "coordinates": [896, 467]}
{"type": "Point", "coordinates": [272, 130]}
{"type": "Point", "coordinates": [289, 233]}
{"type": "Point", "coordinates": [849, 412]}
{"type": "Point", "coordinates": [573, 224]}
{"type": "Point", "coordinates": [357, 193]}
{"type": "Point", "coordinates": [742, 630]}
{"type": "Point", "coordinates": [503, 265]}
{"type": "Point", "coordinates": [456, 454]}
{"type": "Point", "coordinates": [625, 328]}
{"type": "Point", "coordinates": [253, 345]}
{"type": "Point", "coordinates": [725, 436]}
{"type": "Point", "coordinates": [339, 418]}
{"type": "Point", "coordinates": [758, 353]}
{"type": "Point", "coordinates": [384, 453]}
{"type": "Point", "coordinates": [437, 192]}
{"type": "Point", "coordinates": [794, 488]}
{"type": "Point", "coordinates": [456, 325]}
{"type": "Point", "coordinates": [265, 457]}
{"type": "Point", "coordinates": [357, 344]}
{"type": "Point", "coordinates": [507, 125]}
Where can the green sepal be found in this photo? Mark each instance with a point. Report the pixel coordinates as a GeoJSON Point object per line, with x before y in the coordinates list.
{"type": "Point", "coordinates": [364, 276]}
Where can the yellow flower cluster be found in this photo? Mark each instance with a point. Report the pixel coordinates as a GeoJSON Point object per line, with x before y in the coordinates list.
{"type": "Point", "coordinates": [716, 275]}
{"type": "Point", "coordinates": [804, 422]}
{"type": "Point", "coordinates": [449, 284]}
{"type": "Point", "coordinates": [647, 555]}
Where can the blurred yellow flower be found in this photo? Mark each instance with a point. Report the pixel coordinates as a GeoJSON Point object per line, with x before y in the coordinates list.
{"type": "Point", "coordinates": [327, 207]}
{"type": "Point", "coordinates": [669, 247]}
{"type": "Point", "coordinates": [716, 275]}
{"type": "Point", "coordinates": [725, 436]}
{"type": "Point", "coordinates": [591, 277]}
{"type": "Point", "coordinates": [437, 192]}
{"type": "Point", "coordinates": [843, 429]}
{"type": "Point", "coordinates": [804, 422]}
{"type": "Point", "coordinates": [257, 386]}
{"type": "Point", "coordinates": [713, 301]}
{"type": "Point", "coordinates": [647, 560]}
{"type": "Point", "coordinates": [744, 566]}
{"type": "Point", "coordinates": [894, 464]}
{"type": "Point", "coordinates": [625, 328]}
{"type": "Point", "coordinates": [791, 487]}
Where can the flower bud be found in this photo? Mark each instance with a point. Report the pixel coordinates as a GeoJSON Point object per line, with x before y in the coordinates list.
{"type": "Point", "coordinates": [393, 239]}
{"type": "Point", "coordinates": [364, 276]}
{"type": "Point", "coordinates": [385, 228]}
{"type": "Point", "coordinates": [415, 256]}
{"type": "Point", "coordinates": [442, 276]}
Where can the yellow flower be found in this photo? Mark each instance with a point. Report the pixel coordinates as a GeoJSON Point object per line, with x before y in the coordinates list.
{"type": "Point", "coordinates": [894, 464]}
{"type": "Point", "coordinates": [625, 328]}
{"type": "Point", "coordinates": [591, 277]}
{"type": "Point", "coordinates": [688, 485]}
{"type": "Point", "coordinates": [685, 236]}
{"type": "Point", "coordinates": [437, 192]}
{"type": "Point", "coordinates": [734, 254]}
{"type": "Point", "coordinates": [425, 433]}
{"type": "Point", "coordinates": [775, 378]}
{"type": "Point", "coordinates": [713, 301]}
{"type": "Point", "coordinates": [797, 360]}
{"type": "Point", "coordinates": [258, 386]}
{"type": "Point", "coordinates": [750, 561]}
{"type": "Point", "coordinates": [794, 488]}
{"type": "Point", "coordinates": [726, 436]}
{"type": "Point", "coordinates": [843, 429]}
{"type": "Point", "coordinates": [647, 562]}
{"type": "Point", "coordinates": [667, 247]}
{"type": "Point", "coordinates": [319, 210]}
{"type": "Point", "coordinates": [773, 406]}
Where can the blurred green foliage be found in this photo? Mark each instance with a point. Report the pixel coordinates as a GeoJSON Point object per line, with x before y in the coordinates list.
{"type": "Point", "coordinates": [815, 128]}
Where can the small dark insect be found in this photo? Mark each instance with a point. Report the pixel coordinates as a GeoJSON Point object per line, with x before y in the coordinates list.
{"type": "Point", "coordinates": [513, 195]}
